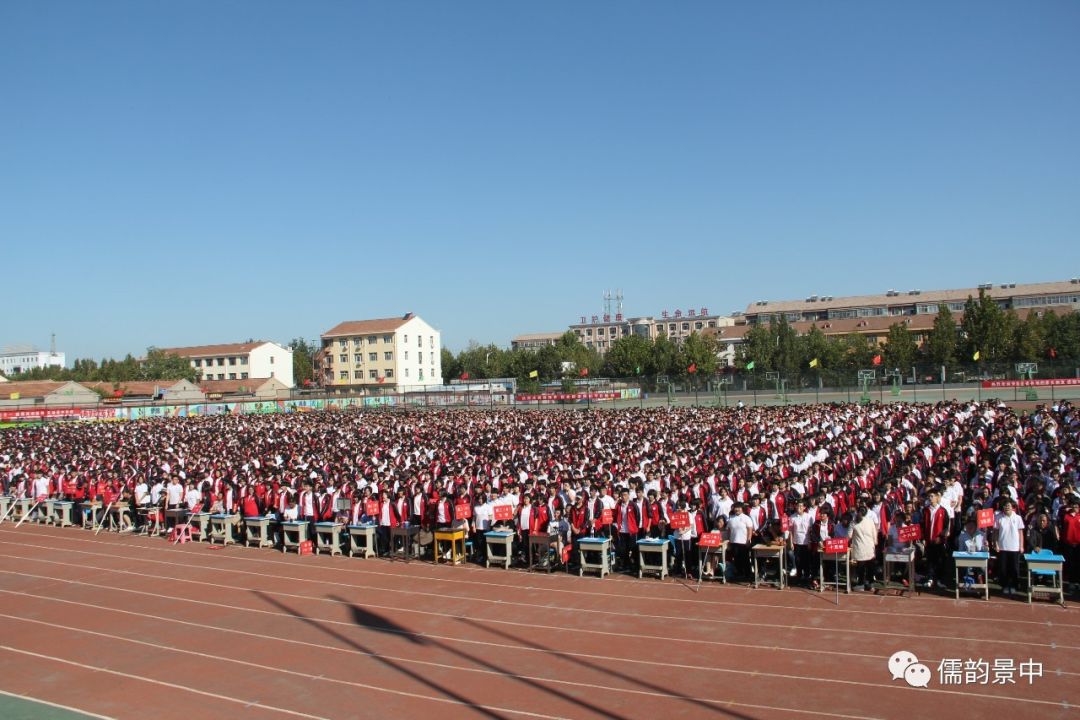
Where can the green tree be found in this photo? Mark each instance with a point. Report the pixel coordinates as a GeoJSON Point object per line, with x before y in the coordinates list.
{"type": "Point", "coordinates": [900, 348]}
{"type": "Point", "coordinates": [757, 347]}
{"type": "Point", "coordinates": [700, 350]}
{"type": "Point", "coordinates": [665, 358]}
{"type": "Point", "coordinates": [941, 342]}
{"type": "Point", "coordinates": [984, 329]}
{"type": "Point", "coordinates": [626, 355]}
{"type": "Point", "coordinates": [303, 360]}
{"type": "Point", "coordinates": [451, 368]}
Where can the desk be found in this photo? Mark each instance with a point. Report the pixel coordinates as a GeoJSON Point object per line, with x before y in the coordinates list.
{"type": "Point", "coordinates": [600, 545]}
{"type": "Point", "coordinates": [221, 527]}
{"type": "Point", "coordinates": [892, 559]}
{"type": "Point", "coordinates": [409, 547]}
{"type": "Point", "coordinates": [150, 518]}
{"type": "Point", "coordinates": [764, 553]}
{"type": "Point", "coordinates": [200, 525]}
{"type": "Point", "coordinates": [704, 553]}
{"type": "Point", "coordinates": [258, 531]}
{"type": "Point", "coordinates": [60, 512]}
{"type": "Point", "coordinates": [540, 546]}
{"type": "Point", "coordinates": [1045, 565]}
{"type": "Point", "coordinates": [452, 536]}
{"type": "Point", "coordinates": [6, 502]}
{"type": "Point", "coordinates": [362, 538]}
{"type": "Point", "coordinates": [22, 508]}
{"type": "Point", "coordinates": [89, 510]}
{"type": "Point", "coordinates": [499, 539]}
{"type": "Point", "coordinates": [976, 560]}
{"type": "Point", "coordinates": [293, 532]}
{"type": "Point", "coordinates": [328, 536]}
{"type": "Point", "coordinates": [50, 511]}
{"type": "Point", "coordinates": [116, 517]}
{"type": "Point", "coordinates": [653, 557]}
{"type": "Point", "coordinates": [840, 562]}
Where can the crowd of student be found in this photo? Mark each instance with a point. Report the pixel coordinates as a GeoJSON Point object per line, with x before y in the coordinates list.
{"type": "Point", "coordinates": [792, 476]}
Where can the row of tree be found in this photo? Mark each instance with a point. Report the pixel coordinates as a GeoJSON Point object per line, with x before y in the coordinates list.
{"type": "Point", "coordinates": [157, 365]}
{"type": "Point", "coordinates": [986, 335]}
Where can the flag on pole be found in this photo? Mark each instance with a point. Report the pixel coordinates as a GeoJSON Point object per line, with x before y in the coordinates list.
{"type": "Point", "coordinates": [1053, 353]}
{"type": "Point", "coordinates": [584, 372]}
{"type": "Point", "coordinates": [750, 365]}
{"type": "Point", "coordinates": [637, 370]}
{"type": "Point", "coordinates": [692, 368]}
{"type": "Point", "coordinates": [876, 360]}
{"type": "Point", "coordinates": [14, 396]}
{"type": "Point", "coordinates": [975, 356]}
{"type": "Point", "coordinates": [814, 362]}
{"type": "Point", "coordinates": [381, 380]}
{"type": "Point", "coordinates": [534, 374]}
{"type": "Point", "coordinates": [464, 376]}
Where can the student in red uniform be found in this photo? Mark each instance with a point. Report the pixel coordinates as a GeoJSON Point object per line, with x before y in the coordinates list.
{"type": "Point", "coordinates": [935, 529]}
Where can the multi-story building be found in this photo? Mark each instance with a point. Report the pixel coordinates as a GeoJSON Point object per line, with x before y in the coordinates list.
{"type": "Point", "coordinates": [239, 361]}
{"type": "Point", "coordinates": [19, 360]}
{"type": "Point", "coordinates": [387, 352]}
{"type": "Point", "coordinates": [893, 304]}
{"type": "Point", "coordinates": [600, 332]}
{"type": "Point", "coordinates": [535, 341]}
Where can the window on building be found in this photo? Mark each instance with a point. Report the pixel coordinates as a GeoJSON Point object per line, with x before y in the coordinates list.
{"type": "Point", "coordinates": [419, 341]}
{"type": "Point", "coordinates": [405, 338]}
{"type": "Point", "coordinates": [387, 339]}
{"type": "Point", "coordinates": [406, 354]}
{"type": "Point", "coordinates": [221, 376]}
{"type": "Point", "coordinates": [431, 341]}
{"type": "Point", "coordinates": [344, 359]}
{"type": "Point", "coordinates": [389, 373]}
{"type": "Point", "coordinates": [420, 358]}
{"type": "Point", "coordinates": [373, 356]}
{"type": "Point", "coordinates": [697, 326]}
{"type": "Point", "coordinates": [232, 376]}
{"type": "Point", "coordinates": [358, 358]}
{"type": "Point", "coordinates": [358, 374]}
{"type": "Point", "coordinates": [373, 374]}
{"type": "Point", "coordinates": [232, 361]}
{"type": "Point", "coordinates": [686, 326]}
{"type": "Point", "coordinates": [271, 359]}
{"type": "Point", "coordinates": [372, 340]}
{"type": "Point", "coordinates": [196, 363]}
{"type": "Point", "coordinates": [342, 342]}
{"type": "Point", "coordinates": [344, 374]}
{"type": "Point", "coordinates": [388, 356]}
{"type": "Point", "coordinates": [243, 376]}
{"type": "Point", "coordinates": [221, 362]}
{"type": "Point", "coordinates": [406, 372]}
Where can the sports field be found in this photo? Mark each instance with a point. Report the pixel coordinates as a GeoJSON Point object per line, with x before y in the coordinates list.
{"type": "Point", "coordinates": [132, 627]}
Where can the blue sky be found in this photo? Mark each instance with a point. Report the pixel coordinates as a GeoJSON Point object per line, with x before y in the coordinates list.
{"type": "Point", "coordinates": [198, 172]}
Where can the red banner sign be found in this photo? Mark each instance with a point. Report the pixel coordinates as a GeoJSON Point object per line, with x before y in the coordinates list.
{"type": "Point", "coordinates": [606, 517]}
{"type": "Point", "coordinates": [711, 540]}
{"type": "Point", "coordinates": [785, 523]}
{"type": "Point", "coordinates": [371, 508]}
{"type": "Point", "coordinates": [680, 520]}
{"type": "Point", "coordinates": [567, 396]}
{"type": "Point", "coordinates": [836, 545]}
{"type": "Point", "coordinates": [909, 533]}
{"type": "Point", "coordinates": [463, 511]}
{"type": "Point", "coordinates": [56, 414]}
{"type": "Point", "coordinates": [502, 512]}
{"type": "Point", "coordinates": [1048, 382]}
{"type": "Point", "coordinates": [307, 547]}
{"type": "Point", "coordinates": [985, 518]}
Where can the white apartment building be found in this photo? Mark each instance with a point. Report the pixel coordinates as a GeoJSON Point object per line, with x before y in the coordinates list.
{"type": "Point", "coordinates": [18, 360]}
{"type": "Point", "coordinates": [399, 352]}
{"type": "Point", "coordinates": [240, 361]}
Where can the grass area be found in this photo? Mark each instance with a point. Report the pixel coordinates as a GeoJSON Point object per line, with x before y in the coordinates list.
{"type": "Point", "coordinates": [17, 708]}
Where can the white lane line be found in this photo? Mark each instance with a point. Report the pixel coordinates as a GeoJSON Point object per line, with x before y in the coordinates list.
{"type": "Point", "coordinates": [604, 658]}
{"type": "Point", "coordinates": [614, 595]}
{"type": "Point", "coordinates": [257, 666]}
{"type": "Point", "coordinates": [413, 661]}
{"type": "Point", "coordinates": [31, 698]}
{"type": "Point", "coordinates": [621, 614]}
{"type": "Point", "coordinates": [152, 681]}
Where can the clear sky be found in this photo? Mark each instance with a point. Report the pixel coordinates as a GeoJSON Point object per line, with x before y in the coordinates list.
{"type": "Point", "coordinates": [178, 173]}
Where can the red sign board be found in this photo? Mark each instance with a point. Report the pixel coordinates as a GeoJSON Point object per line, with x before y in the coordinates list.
{"type": "Point", "coordinates": [680, 520]}
{"type": "Point", "coordinates": [909, 533]}
{"type": "Point", "coordinates": [607, 516]}
{"type": "Point", "coordinates": [567, 396]}
{"type": "Point", "coordinates": [836, 545]}
{"type": "Point", "coordinates": [307, 548]}
{"type": "Point", "coordinates": [985, 518]}
{"type": "Point", "coordinates": [371, 508]}
{"type": "Point", "coordinates": [710, 540]}
{"type": "Point", "coordinates": [463, 510]}
{"type": "Point", "coordinates": [502, 512]}
{"type": "Point", "coordinates": [1048, 382]}
{"type": "Point", "coordinates": [785, 523]}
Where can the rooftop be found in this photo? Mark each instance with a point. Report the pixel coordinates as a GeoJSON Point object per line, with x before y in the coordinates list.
{"type": "Point", "coordinates": [367, 327]}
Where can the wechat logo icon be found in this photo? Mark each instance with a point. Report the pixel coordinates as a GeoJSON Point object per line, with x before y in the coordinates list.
{"type": "Point", "coordinates": [905, 666]}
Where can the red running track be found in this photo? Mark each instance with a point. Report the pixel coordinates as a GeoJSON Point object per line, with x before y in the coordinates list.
{"type": "Point", "coordinates": [130, 627]}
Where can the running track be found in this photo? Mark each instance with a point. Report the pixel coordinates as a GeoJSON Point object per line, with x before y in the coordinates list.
{"type": "Point", "coordinates": [131, 627]}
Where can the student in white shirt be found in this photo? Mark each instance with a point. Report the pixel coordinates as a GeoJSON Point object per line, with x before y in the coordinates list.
{"type": "Point", "coordinates": [1009, 540]}
{"type": "Point", "coordinates": [740, 534]}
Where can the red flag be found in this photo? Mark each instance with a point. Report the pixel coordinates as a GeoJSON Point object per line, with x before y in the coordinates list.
{"type": "Point", "coordinates": [381, 380]}
{"type": "Point", "coordinates": [584, 372]}
{"type": "Point", "coordinates": [876, 360]}
{"type": "Point", "coordinates": [307, 383]}
{"type": "Point", "coordinates": [464, 376]}
{"type": "Point", "coordinates": [1053, 353]}
{"type": "Point", "coordinates": [692, 368]}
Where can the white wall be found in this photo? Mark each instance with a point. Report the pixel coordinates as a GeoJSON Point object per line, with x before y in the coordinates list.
{"type": "Point", "coordinates": [415, 340]}
{"type": "Point", "coordinates": [271, 360]}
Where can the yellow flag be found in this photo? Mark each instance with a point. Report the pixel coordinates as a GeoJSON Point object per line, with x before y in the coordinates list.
{"type": "Point", "coordinates": [975, 356]}
{"type": "Point", "coordinates": [534, 373]}
{"type": "Point", "coordinates": [814, 362]}
{"type": "Point", "coordinates": [14, 396]}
